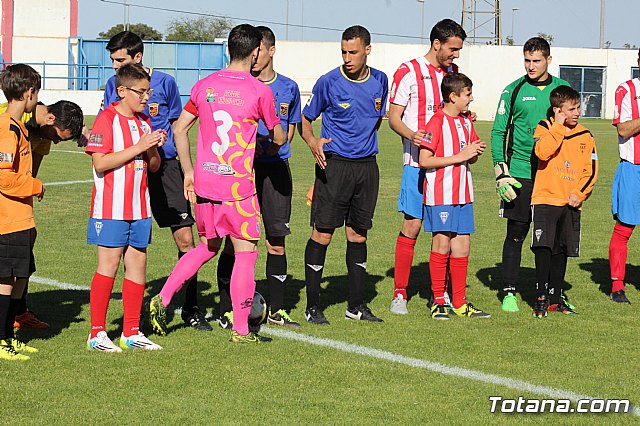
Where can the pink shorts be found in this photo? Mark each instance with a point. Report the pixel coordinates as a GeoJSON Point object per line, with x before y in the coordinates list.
{"type": "Point", "coordinates": [240, 219]}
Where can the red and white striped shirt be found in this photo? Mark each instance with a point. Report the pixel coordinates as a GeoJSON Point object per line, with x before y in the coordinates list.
{"type": "Point", "coordinates": [119, 193]}
{"type": "Point", "coordinates": [416, 86]}
{"type": "Point", "coordinates": [627, 109]}
{"type": "Point", "coordinates": [446, 136]}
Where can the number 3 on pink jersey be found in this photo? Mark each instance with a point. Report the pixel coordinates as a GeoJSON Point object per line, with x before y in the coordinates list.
{"type": "Point", "coordinates": [222, 130]}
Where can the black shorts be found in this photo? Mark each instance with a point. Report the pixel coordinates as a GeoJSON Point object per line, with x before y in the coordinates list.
{"type": "Point", "coordinates": [556, 227]}
{"type": "Point", "coordinates": [520, 208]}
{"type": "Point", "coordinates": [16, 254]}
{"type": "Point", "coordinates": [166, 191]}
{"type": "Point", "coordinates": [346, 191]}
{"type": "Point", "coordinates": [274, 187]}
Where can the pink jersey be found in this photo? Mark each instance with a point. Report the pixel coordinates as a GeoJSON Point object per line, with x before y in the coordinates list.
{"type": "Point", "coordinates": [229, 105]}
{"type": "Point", "coordinates": [627, 109]}
{"type": "Point", "coordinates": [446, 136]}
{"type": "Point", "coordinates": [416, 86]}
{"type": "Point", "coordinates": [119, 193]}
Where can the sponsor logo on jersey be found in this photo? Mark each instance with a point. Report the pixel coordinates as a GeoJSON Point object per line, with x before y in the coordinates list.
{"type": "Point", "coordinates": [284, 109]}
{"type": "Point", "coordinates": [6, 157]}
{"type": "Point", "coordinates": [443, 217]}
{"type": "Point", "coordinates": [139, 164]}
{"type": "Point", "coordinates": [133, 127]}
{"type": "Point", "coordinates": [463, 143]}
{"type": "Point", "coordinates": [538, 234]}
{"type": "Point", "coordinates": [528, 98]}
{"type": "Point", "coordinates": [426, 77]}
{"type": "Point", "coordinates": [153, 109]}
{"type": "Point", "coordinates": [567, 164]}
{"type": "Point", "coordinates": [95, 139]}
{"type": "Point", "coordinates": [428, 137]}
{"type": "Point", "coordinates": [583, 146]}
{"type": "Point", "coordinates": [344, 105]}
{"type": "Point", "coordinates": [501, 108]}
{"type": "Point", "coordinates": [219, 169]}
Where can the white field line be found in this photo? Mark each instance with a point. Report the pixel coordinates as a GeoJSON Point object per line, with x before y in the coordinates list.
{"type": "Point", "coordinates": [464, 373]}
{"type": "Point", "coordinates": [68, 182]}
{"type": "Point", "coordinates": [68, 151]}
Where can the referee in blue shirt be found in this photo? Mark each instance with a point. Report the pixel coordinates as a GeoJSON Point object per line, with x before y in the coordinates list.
{"type": "Point", "coordinates": [351, 99]}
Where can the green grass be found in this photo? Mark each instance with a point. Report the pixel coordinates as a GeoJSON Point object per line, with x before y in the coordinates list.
{"type": "Point", "coordinates": [200, 377]}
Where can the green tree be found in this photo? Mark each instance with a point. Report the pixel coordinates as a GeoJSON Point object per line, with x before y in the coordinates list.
{"type": "Point", "coordinates": [201, 28]}
{"type": "Point", "coordinates": [143, 30]}
{"type": "Point", "coordinates": [547, 37]}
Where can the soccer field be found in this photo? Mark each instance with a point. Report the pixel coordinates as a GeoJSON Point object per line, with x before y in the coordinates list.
{"type": "Point", "coordinates": [410, 369]}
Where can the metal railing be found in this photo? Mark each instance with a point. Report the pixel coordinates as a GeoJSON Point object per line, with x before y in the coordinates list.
{"type": "Point", "coordinates": [76, 76]}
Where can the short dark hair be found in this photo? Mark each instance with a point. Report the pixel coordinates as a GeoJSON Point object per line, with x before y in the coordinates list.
{"type": "Point", "coordinates": [562, 94]}
{"type": "Point", "coordinates": [537, 44]}
{"type": "Point", "coordinates": [454, 82]}
{"type": "Point", "coordinates": [126, 40]}
{"type": "Point", "coordinates": [129, 74]}
{"type": "Point", "coordinates": [243, 39]}
{"type": "Point", "coordinates": [268, 37]}
{"type": "Point", "coordinates": [16, 79]}
{"type": "Point", "coordinates": [446, 29]}
{"type": "Point", "coordinates": [69, 116]}
{"type": "Point", "coordinates": [357, 31]}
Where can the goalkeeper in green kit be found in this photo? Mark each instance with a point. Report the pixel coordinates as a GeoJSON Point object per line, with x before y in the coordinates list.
{"type": "Point", "coordinates": [523, 104]}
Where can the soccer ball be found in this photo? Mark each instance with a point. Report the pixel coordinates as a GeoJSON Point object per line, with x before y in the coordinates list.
{"type": "Point", "coordinates": [258, 310]}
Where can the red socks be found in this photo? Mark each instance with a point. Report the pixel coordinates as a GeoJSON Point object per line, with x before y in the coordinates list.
{"type": "Point", "coordinates": [458, 268]}
{"type": "Point", "coordinates": [618, 249]}
{"type": "Point", "coordinates": [438, 271]}
{"type": "Point", "coordinates": [99, 296]}
{"type": "Point", "coordinates": [132, 295]}
{"type": "Point", "coordinates": [404, 258]}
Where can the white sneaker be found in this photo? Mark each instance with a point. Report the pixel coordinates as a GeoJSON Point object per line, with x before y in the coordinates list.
{"type": "Point", "coordinates": [102, 343]}
{"type": "Point", "coordinates": [399, 305]}
{"type": "Point", "coordinates": [138, 341]}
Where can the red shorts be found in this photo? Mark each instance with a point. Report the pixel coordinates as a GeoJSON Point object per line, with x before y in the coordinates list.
{"type": "Point", "coordinates": [217, 219]}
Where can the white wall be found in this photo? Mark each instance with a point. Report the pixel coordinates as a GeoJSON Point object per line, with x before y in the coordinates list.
{"type": "Point", "coordinates": [42, 36]}
{"type": "Point", "coordinates": [490, 67]}
{"type": "Point", "coordinates": [88, 100]}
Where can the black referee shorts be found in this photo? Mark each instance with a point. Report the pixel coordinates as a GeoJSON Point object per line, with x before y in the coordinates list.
{"type": "Point", "coordinates": [166, 190]}
{"type": "Point", "coordinates": [556, 227]}
{"type": "Point", "coordinates": [520, 208]}
{"type": "Point", "coordinates": [345, 192]}
{"type": "Point", "coordinates": [16, 254]}
{"type": "Point", "coordinates": [274, 187]}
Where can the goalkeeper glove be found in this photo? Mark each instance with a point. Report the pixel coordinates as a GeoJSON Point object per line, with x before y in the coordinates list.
{"type": "Point", "coordinates": [505, 183]}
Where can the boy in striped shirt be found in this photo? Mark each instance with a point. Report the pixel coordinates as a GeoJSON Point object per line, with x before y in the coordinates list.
{"type": "Point", "coordinates": [122, 147]}
{"type": "Point", "coordinates": [450, 144]}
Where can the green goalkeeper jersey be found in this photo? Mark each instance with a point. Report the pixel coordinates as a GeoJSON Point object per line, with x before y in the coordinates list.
{"type": "Point", "coordinates": [515, 146]}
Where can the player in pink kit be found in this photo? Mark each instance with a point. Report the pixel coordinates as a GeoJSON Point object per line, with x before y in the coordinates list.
{"type": "Point", "coordinates": [229, 104]}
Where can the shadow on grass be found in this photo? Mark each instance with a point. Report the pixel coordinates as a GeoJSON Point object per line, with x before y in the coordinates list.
{"type": "Point", "coordinates": [59, 308]}
{"type": "Point", "coordinates": [492, 278]}
{"type": "Point", "coordinates": [337, 289]}
{"type": "Point", "coordinates": [419, 281]}
{"type": "Point", "coordinates": [600, 274]}
{"type": "Point", "coordinates": [293, 289]}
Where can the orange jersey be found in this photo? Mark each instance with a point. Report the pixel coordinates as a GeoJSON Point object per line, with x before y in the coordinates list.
{"type": "Point", "coordinates": [17, 186]}
{"type": "Point", "coordinates": [568, 163]}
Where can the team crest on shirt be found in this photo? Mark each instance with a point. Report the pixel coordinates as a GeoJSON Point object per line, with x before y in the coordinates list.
{"type": "Point", "coordinates": [145, 127]}
{"type": "Point", "coordinates": [443, 217]}
{"type": "Point", "coordinates": [133, 127]}
{"type": "Point", "coordinates": [428, 137]}
{"type": "Point", "coordinates": [378, 104]}
{"type": "Point", "coordinates": [284, 109]}
{"type": "Point", "coordinates": [567, 164]}
{"type": "Point", "coordinates": [463, 143]}
{"type": "Point", "coordinates": [153, 109]}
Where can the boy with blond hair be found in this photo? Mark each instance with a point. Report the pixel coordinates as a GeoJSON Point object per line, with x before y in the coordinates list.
{"type": "Point", "coordinates": [449, 145]}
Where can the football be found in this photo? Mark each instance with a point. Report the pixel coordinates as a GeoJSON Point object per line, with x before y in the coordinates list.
{"type": "Point", "coordinates": [258, 310]}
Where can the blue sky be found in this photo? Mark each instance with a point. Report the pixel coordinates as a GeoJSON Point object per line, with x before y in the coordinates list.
{"type": "Point", "coordinates": [573, 23]}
